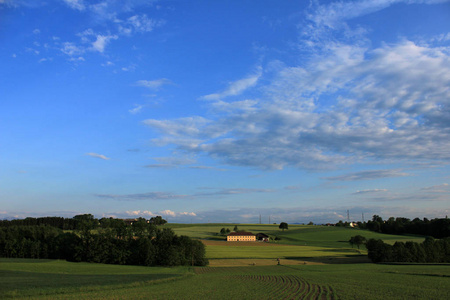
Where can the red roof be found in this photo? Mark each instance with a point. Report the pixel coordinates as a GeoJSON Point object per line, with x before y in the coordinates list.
{"type": "Point", "coordinates": [241, 233]}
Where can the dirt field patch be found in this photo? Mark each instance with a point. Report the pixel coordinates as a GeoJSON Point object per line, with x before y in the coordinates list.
{"type": "Point", "coordinates": [247, 244]}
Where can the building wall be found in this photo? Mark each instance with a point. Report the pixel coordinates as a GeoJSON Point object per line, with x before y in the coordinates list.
{"type": "Point", "coordinates": [241, 238]}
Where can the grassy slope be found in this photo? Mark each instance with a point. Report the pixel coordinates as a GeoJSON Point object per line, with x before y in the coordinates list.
{"type": "Point", "coordinates": [320, 236]}
{"type": "Point", "coordinates": [359, 281]}
{"type": "Point", "coordinates": [26, 277]}
{"type": "Point", "coordinates": [305, 241]}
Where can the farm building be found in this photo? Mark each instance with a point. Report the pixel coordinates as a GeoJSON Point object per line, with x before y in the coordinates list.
{"type": "Point", "coordinates": [262, 237]}
{"type": "Point", "coordinates": [130, 221]}
{"type": "Point", "coordinates": [241, 237]}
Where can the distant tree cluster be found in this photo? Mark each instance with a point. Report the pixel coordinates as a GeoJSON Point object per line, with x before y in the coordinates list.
{"type": "Point", "coordinates": [158, 220]}
{"type": "Point", "coordinates": [341, 223]}
{"type": "Point", "coordinates": [113, 242]}
{"type": "Point", "coordinates": [357, 240]}
{"type": "Point", "coordinates": [58, 222]}
{"type": "Point", "coordinates": [77, 222]}
{"type": "Point", "coordinates": [224, 231]}
{"type": "Point", "coordinates": [437, 228]}
{"type": "Point", "coordinates": [430, 251]}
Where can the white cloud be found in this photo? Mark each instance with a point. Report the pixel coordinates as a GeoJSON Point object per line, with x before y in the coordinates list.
{"type": "Point", "coordinates": [142, 196]}
{"type": "Point", "coordinates": [136, 109]}
{"type": "Point", "coordinates": [190, 126]}
{"type": "Point", "coordinates": [192, 214]}
{"type": "Point", "coordinates": [175, 160]}
{"type": "Point", "coordinates": [139, 213]}
{"type": "Point", "coordinates": [369, 191]}
{"type": "Point", "coordinates": [368, 175]}
{"type": "Point", "coordinates": [138, 23]}
{"type": "Point", "coordinates": [168, 212]}
{"type": "Point", "coordinates": [237, 87]}
{"type": "Point", "coordinates": [334, 14]}
{"type": "Point", "coordinates": [153, 84]}
{"type": "Point", "coordinates": [101, 42]}
{"type": "Point", "coordinates": [76, 4]}
{"type": "Point", "coordinates": [71, 49]}
{"type": "Point", "coordinates": [347, 105]}
{"type": "Point", "coordinates": [97, 156]}
{"type": "Point", "coordinates": [108, 64]}
{"type": "Point", "coordinates": [441, 188]}
{"type": "Point", "coordinates": [233, 191]}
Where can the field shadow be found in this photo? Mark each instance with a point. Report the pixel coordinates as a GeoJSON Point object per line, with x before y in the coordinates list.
{"type": "Point", "coordinates": [348, 259]}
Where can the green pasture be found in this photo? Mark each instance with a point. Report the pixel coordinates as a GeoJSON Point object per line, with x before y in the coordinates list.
{"type": "Point", "coordinates": [336, 237]}
{"type": "Point", "coordinates": [32, 277]}
{"type": "Point", "coordinates": [305, 235]}
{"type": "Point", "coordinates": [50, 279]}
{"type": "Point", "coordinates": [277, 251]}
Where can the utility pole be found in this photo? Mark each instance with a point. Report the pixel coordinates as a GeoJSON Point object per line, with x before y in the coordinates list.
{"type": "Point", "coordinates": [363, 217]}
{"type": "Point", "coordinates": [259, 219]}
{"type": "Point", "coordinates": [348, 216]}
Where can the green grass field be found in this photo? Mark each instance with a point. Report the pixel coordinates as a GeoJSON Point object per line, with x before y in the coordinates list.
{"type": "Point", "coordinates": [275, 251]}
{"type": "Point", "coordinates": [301, 242]}
{"type": "Point", "coordinates": [333, 278]}
{"type": "Point", "coordinates": [35, 279]}
{"type": "Point", "coordinates": [305, 235]}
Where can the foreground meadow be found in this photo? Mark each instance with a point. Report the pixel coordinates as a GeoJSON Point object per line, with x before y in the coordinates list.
{"type": "Point", "coordinates": [309, 262]}
{"type": "Point", "coordinates": [52, 279]}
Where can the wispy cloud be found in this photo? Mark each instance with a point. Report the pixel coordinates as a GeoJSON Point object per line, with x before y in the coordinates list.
{"type": "Point", "coordinates": [122, 20]}
{"type": "Point", "coordinates": [71, 49]}
{"type": "Point", "coordinates": [101, 41]}
{"type": "Point", "coordinates": [170, 196]}
{"type": "Point", "coordinates": [96, 155]}
{"type": "Point", "coordinates": [175, 160]}
{"type": "Point", "coordinates": [207, 168]}
{"type": "Point", "coordinates": [441, 188]}
{"type": "Point", "coordinates": [138, 23]}
{"type": "Point", "coordinates": [154, 84]}
{"type": "Point", "coordinates": [347, 106]}
{"type": "Point", "coordinates": [237, 87]}
{"type": "Point", "coordinates": [368, 175]}
{"type": "Point", "coordinates": [370, 191]}
{"type": "Point", "coordinates": [147, 213]}
{"type": "Point", "coordinates": [137, 108]}
{"type": "Point", "coordinates": [76, 4]}
{"type": "Point", "coordinates": [233, 191]}
{"type": "Point", "coordinates": [160, 166]}
{"type": "Point", "coordinates": [171, 162]}
{"type": "Point", "coordinates": [292, 187]}
{"type": "Point", "coordinates": [143, 196]}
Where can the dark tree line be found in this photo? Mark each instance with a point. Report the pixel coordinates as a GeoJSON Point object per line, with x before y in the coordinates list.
{"type": "Point", "coordinates": [58, 222]}
{"type": "Point", "coordinates": [437, 228]}
{"type": "Point", "coordinates": [76, 223]}
{"type": "Point", "coordinates": [430, 251]}
{"type": "Point", "coordinates": [113, 242]}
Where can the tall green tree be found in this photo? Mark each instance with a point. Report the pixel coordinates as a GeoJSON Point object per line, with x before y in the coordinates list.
{"type": "Point", "coordinates": [283, 226]}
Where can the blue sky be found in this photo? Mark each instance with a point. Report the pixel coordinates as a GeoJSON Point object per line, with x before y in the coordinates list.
{"type": "Point", "coordinates": [222, 111]}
